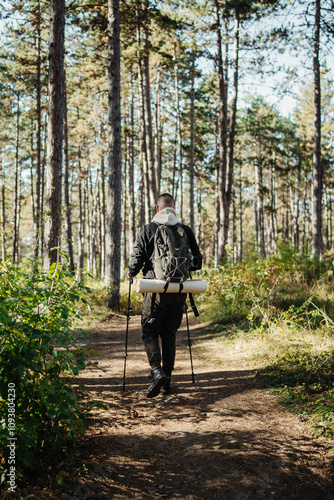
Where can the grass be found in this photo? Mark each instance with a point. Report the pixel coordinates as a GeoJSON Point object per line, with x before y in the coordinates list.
{"type": "Point", "coordinates": [277, 313]}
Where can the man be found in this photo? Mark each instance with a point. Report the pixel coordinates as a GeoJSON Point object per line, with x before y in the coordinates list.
{"type": "Point", "coordinates": [161, 313]}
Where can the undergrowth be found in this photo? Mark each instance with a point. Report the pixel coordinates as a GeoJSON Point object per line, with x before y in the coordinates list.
{"type": "Point", "coordinates": [40, 351]}
{"type": "Point", "coordinates": [280, 310]}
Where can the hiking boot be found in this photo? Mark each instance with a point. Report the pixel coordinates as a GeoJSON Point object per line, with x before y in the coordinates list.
{"type": "Point", "coordinates": [167, 387]}
{"type": "Point", "coordinates": [159, 378]}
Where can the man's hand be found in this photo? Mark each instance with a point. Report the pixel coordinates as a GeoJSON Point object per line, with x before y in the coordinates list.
{"type": "Point", "coordinates": [128, 275]}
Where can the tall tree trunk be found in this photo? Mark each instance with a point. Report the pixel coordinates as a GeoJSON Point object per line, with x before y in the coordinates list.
{"type": "Point", "coordinates": [103, 219]}
{"type": "Point", "coordinates": [330, 208]}
{"type": "Point", "coordinates": [92, 196]}
{"type": "Point", "coordinates": [68, 222]}
{"type": "Point", "coordinates": [273, 210]}
{"type": "Point", "coordinates": [326, 209]}
{"type": "Point", "coordinates": [124, 208]}
{"type": "Point", "coordinates": [240, 256]}
{"type": "Point", "coordinates": [231, 137]}
{"type": "Point", "coordinates": [145, 185]}
{"type": "Point", "coordinates": [158, 136]}
{"type": "Point", "coordinates": [297, 203]}
{"type": "Point", "coordinates": [38, 215]}
{"type": "Point", "coordinates": [317, 166]}
{"type": "Point", "coordinates": [132, 211]}
{"type": "Point", "coordinates": [87, 218]}
{"type": "Point", "coordinates": [260, 212]}
{"type": "Point", "coordinates": [32, 195]}
{"type": "Point", "coordinates": [113, 243]}
{"type": "Point", "coordinates": [17, 184]}
{"type": "Point", "coordinates": [41, 239]}
{"type": "Point", "coordinates": [226, 164]}
{"type": "Point", "coordinates": [178, 131]}
{"type": "Point", "coordinates": [222, 140]}
{"type": "Point", "coordinates": [192, 142]}
{"type": "Point", "coordinates": [81, 228]}
{"type": "Point", "coordinates": [234, 228]}
{"type": "Point", "coordinates": [148, 115]}
{"type": "Point", "coordinates": [3, 210]}
{"type": "Point", "coordinates": [52, 228]}
{"type": "Point", "coordinates": [304, 240]}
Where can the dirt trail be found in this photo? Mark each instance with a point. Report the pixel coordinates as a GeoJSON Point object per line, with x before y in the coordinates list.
{"type": "Point", "coordinates": [220, 438]}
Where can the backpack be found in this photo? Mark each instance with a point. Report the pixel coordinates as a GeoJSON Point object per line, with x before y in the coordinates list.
{"type": "Point", "coordinates": [172, 254]}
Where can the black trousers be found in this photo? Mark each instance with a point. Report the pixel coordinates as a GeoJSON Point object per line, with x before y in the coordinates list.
{"type": "Point", "coordinates": [161, 317]}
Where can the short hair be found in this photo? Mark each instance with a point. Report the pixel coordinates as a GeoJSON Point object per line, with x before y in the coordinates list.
{"type": "Point", "coordinates": [165, 200]}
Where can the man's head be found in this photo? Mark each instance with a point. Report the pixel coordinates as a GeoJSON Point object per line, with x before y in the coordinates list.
{"type": "Point", "coordinates": [165, 200]}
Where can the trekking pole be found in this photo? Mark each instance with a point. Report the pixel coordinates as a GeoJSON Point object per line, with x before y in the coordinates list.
{"type": "Point", "coordinates": [189, 343]}
{"type": "Point", "coordinates": [127, 331]}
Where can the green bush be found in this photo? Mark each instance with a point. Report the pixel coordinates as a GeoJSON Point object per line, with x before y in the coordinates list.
{"type": "Point", "coordinates": [257, 291]}
{"type": "Point", "coordinates": [39, 354]}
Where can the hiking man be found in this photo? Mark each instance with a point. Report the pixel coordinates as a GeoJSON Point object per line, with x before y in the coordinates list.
{"type": "Point", "coordinates": [161, 312]}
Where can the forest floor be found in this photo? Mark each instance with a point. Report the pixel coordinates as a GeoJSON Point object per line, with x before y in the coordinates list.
{"type": "Point", "coordinates": [222, 437]}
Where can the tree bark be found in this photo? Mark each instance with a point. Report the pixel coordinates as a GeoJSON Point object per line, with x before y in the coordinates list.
{"type": "Point", "coordinates": [81, 228]}
{"type": "Point", "coordinates": [179, 133]}
{"type": "Point", "coordinates": [132, 212]}
{"type": "Point", "coordinates": [240, 255]}
{"type": "Point", "coordinates": [317, 166]}
{"type": "Point", "coordinates": [148, 115]}
{"type": "Point", "coordinates": [192, 143]}
{"type": "Point", "coordinates": [3, 211]}
{"type": "Point", "coordinates": [231, 137]}
{"type": "Point", "coordinates": [38, 214]}
{"type": "Point", "coordinates": [52, 230]}
{"type": "Point", "coordinates": [17, 185]}
{"type": "Point", "coordinates": [222, 140]}
{"type": "Point", "coordinates": [226, 156]}
{"type": "Point", "coordinates": [260, 213]}
{"type": "Point", "coordinates": [158, 136]}
{"type": "Point", "coordinates": [113, 241]}
{"type": "Point", "coordinates": [68, 214]}
{"type": "Point", "coordinates": [145, 189]}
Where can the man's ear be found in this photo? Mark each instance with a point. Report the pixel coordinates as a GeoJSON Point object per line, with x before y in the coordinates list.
{"type": "Point", "coordinates": [157, 208]}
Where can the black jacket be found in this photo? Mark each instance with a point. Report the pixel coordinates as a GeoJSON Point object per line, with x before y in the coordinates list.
{"type": "Point", "coordinates": [143, 251]}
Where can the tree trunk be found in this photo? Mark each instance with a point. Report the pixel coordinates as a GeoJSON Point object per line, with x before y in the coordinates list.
{"type": "Point", "coordinates": [81, 228]}
{"type": "Point", "coordinates": [3, 211]}
{"type": "Point", "coordinates": [17, 185]}
{"type": "Point", "coordinates": [231, 138]}
{"type": "Point", "coordinates": [192, 143]}
{"type": "Point", "coordinates": [52, 228]}
{"type": "Point", "coordinates": [226, 164]}
{"type": "Point", "coordinates": [179, 134]}
{"type": "Point", "coordinates": [68, 222]}
{"type": "Point", "coordinates": [41, 239]}
{"type": "Point", "coordinates": [113, 243]}
{"type": "Point", "coordinates": [132, 212]}
{"type": "Point", "coordinates": [148, 115]}
{"type": "Point", "coordinates": [145, 185]}
{"type": "Point", "coordinates": [260, 212]}
{"type": "Point", "coordinates": [124, 208]}
{"type": "Point", "coordinates": [103, 219]}
{"type": "Point", "coordinates": [222, 141]}
{"type": "Point", "coordinates": [158, 136]}
{"type": "Point", "coordinates": [38, 213]}
{"type": "Point", "coordinates": [240, 256]}
{"type": "Point", "coordinates": [297, 202]}
{"type": "Point", "coordinates": [273, 211]}
{"type": "Point", "coordinates": [317, 166]}
{"type": "Point", "coordinates": [304, 240]}
{"type": "Point", "coordinates": [32, 195]}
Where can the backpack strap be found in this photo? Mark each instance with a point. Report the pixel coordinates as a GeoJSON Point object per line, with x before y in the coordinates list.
{"type": "Point", "coordinates": [166, 286]}
{"type": "Point", "coordinates": [193, 305]}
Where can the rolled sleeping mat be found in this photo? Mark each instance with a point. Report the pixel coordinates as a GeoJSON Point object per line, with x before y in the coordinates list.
{"type": "Point", "coordinates": [157, 286]}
